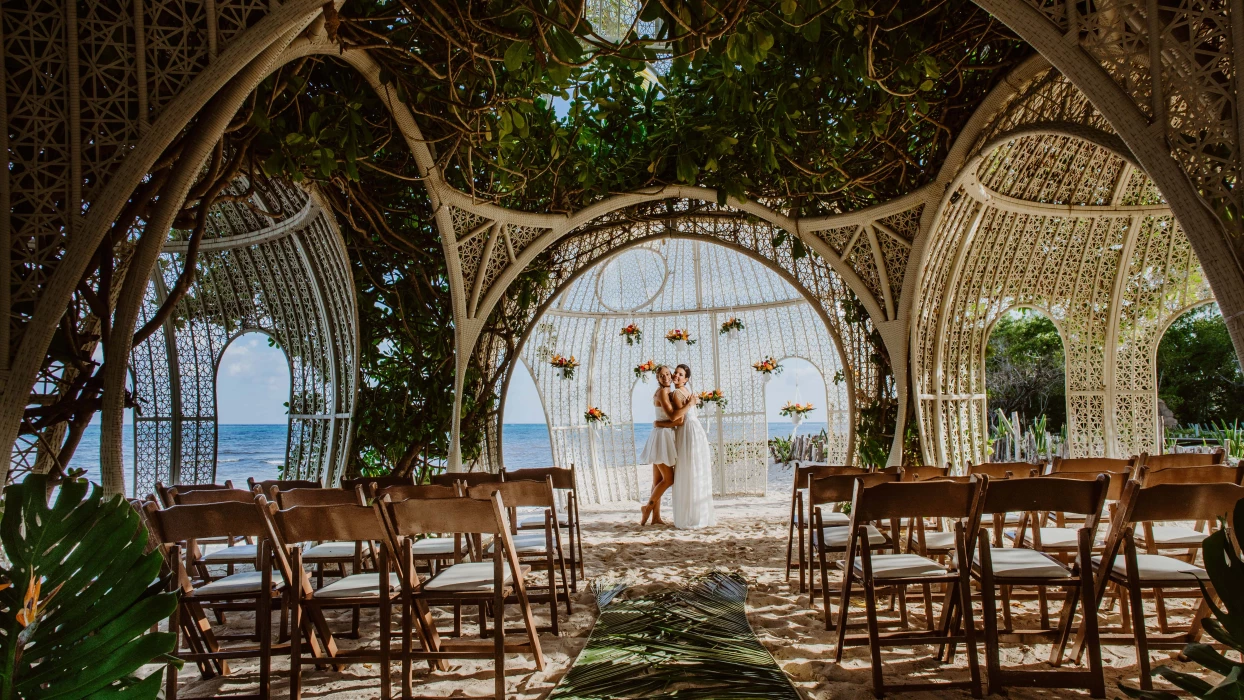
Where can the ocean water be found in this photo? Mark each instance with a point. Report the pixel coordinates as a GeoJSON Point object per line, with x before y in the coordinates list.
{"type": "Point", "coordinates": [257, 450]}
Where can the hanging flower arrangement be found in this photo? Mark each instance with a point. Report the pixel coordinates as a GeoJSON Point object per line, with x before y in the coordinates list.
{"type": "Point", "coordinates": [566, 365]}
{"type": "Point", "coordinates": [632, 333]}
{"type": "Point", "coordinates": [643, 369]}
{"type": "Point", "coordinates": [679, 335]}
{"type": "Point", "coordinates": [731, 328]}
{"type": "Point", "coordinates": [767, 366]}
{"type": "Point", "coordinates": [714, 396]}
{"type": "Point", "coordinates": [796, 411]}
{"type": "Point", "coordinates": [595, 416]}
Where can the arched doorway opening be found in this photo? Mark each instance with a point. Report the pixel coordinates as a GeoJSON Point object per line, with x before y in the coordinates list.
{"type": "Point", "coordinates": [526, 430]}
{"type": "Point", "coordinates": [1200, 383]}
{"type": "Point", "coordinates": [1026, 386]}
{"type": "Point", "coordinates": [252, 409]}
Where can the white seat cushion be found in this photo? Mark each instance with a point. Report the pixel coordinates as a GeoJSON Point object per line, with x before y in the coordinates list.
{"type": "Point", "coordinates": [430, 546]}
{"type": "Point", "coordinates": [1155, 567]}
{"type": "Point", "coordinates": [1172, 535]}
{"type": "Point", "coordinates": [831, 519]}
{"type": "Point", "coordinates": [1059, 537]}
{"type": "Point", "coordinates": [837, 537]}
{"type": "Point", "coordinates": [1019, 562]}
{"type": "Point", "coordinates": [326, 551]}
{"type": "Point", "coordinates": [939, 540]}
{"type": "Point", "coordinates": [469, 578]}
{"type": "Point", "coordinates": [358, 586]}
{"type": "Point", "coordinates": [237, 554]}
{"type": "Point", "coordinates": [526, 543]}
{"type": "Point", "coordinates": [237, 584]}
{"type": "Point", "coordinates": [900, 566]}
{"type": "Point", "coordinates": [536, 519]}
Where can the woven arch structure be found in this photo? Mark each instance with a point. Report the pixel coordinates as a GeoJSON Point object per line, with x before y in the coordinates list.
{"type": "Point", "coordinates": [1143, 102]}
{"type": "Point", "coordinates": [286, 276]}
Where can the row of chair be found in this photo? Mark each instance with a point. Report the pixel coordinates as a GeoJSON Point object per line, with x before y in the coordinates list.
{"type": "Point", "coordinates": [1084, 562]}
{"type": "Point", "coordinates": [456, 533]}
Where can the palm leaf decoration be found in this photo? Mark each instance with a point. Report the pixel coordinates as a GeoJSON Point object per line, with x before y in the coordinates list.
{"type": "Point", "coordinates": [79, 596]}
{"type": "Point", "coordinates": [689, 642]}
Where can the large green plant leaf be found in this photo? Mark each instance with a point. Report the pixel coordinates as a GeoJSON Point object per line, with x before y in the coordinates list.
{"type": "Point", "coordinates": [81, 561]}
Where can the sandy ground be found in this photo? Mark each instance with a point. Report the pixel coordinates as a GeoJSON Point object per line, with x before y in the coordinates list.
{"type": "Point", "coordinates": [749, 538]}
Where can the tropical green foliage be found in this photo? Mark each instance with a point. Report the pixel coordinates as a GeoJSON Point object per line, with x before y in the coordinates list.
{"type": "Point", "coordinates": [689, 642]}
{"type": "Point", "coordinates": [1225, 566]}
{"type": "Point", "coordinates": [79, 596]}
{"type": "Point", "coordinates": [1024, 368]}
{"type": "Point", "coordinates": [1199, 374]}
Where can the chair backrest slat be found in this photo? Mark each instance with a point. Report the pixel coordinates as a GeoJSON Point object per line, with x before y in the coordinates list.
{"type": "Point", "coordinates": [1185, 502]}
{"type": "Point", "coordinates": [1092, 464]}
{"type": "Point", "coordinates": [563, 478]}
{"type": "Point", "coordinates": [266, 485]}
{"type": "Point", "coordinates": [928, 499]}
{"type": "Point", "coordinates": [1185, 459]}
{"type": "Point", "coordinates": [840, 488]}
{"type": "Point", "coordinates": [351, 522]}
{"type": "Point", "coordinates": [165, 497]}
{"type": "Point", "coordinates": [923, 473]}
{"type": "Point", "coordinates": [1113, 492]}
{"type": "Point", "coordinates": [179, 523]}
{"type": "Point", "coordinates": [466, 515]}
{"type": "Point", "coordinates": [315, 497]}
{"type": "Point", "coordinates": [211, 496]}
{"type": "Point", "coordinates": [806, 472]}
{"type": "Point", "coordinates": [1207, 474]}
{"type": "Point", "coordinates": [380, 482]}
{"type": "Point", "coordinates": [1005, 470]}
{"type": "Point", "coordinates": [468, 478]}
{"type": "Point", "coordinates": [1051, 493]}
{"type": "Point", "coordinates": [407, 492]}
{"type": "Point", "coordinates": [517, 493]}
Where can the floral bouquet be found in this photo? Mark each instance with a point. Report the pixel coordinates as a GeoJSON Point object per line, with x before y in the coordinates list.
{"type": "Point", "coordinates": [567, 365]}
{"type": "Point", "coordinates": [632, 333]}
{"type": "Point", "coordinates": [767, 368]}
{"type": "Point", "coordinates": [714, 396]}
{"type": "Point", "coordinates": [678, 335]}
{"type": "Point", "coordinates": [595, 416]}
{"type": "Point", "coordinates": [731, 328]}
{"type": "Point", "coordinates": [796, 411]}
{"type": "Point", "coordinates": [643, 369]}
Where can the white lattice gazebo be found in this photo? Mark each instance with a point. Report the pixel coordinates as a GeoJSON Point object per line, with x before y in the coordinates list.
{"type": "Point", "coordinates": [659, 285]}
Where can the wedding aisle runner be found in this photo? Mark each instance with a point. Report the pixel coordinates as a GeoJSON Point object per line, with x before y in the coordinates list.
{"type": "Point", "coordinates": [689, 642]}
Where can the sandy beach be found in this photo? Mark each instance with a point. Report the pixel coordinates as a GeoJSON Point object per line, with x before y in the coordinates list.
{"type": "Point", "coordinates": [749, 538]}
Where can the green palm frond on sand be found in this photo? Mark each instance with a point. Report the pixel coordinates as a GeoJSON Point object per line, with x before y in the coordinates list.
{"type": "Point", "coordinates": [689, 642]}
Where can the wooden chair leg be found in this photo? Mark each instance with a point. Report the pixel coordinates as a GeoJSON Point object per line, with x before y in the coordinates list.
{"type": "Point", "coordinates": [969, 630]}
{"type": "Point", "coordinates": [498, 644]}
{"type": "Point", "coordinates": [295, 652]}
{"type": "Point", "coordinates": [1007, 622]}
{"type": "Point", "coordinates": [993, 666]}
{"type": "Point", "coordinates": [1160, 604]}
{"type": "Point", "coordinates": [874, 634]}
{"type": "Point", "coordinates": [1139, 633]}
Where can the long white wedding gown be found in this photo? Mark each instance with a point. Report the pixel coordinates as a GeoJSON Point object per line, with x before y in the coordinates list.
{"type": "Point", "coordinates": [693, 478]}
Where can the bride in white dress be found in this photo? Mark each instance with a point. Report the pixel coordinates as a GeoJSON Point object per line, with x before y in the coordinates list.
{"type": "Point", "coordinates": [693, 479]}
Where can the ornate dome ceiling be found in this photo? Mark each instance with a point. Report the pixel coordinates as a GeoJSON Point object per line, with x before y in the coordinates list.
{"type": "Point", "coordinates": [675, 275]}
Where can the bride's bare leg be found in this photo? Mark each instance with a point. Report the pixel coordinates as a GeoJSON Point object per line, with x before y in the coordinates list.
{"type": "Point", "coordinates": [667, 480]}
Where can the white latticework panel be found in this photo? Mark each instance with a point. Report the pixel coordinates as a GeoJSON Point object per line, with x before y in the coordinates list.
{"type": "Point", "coordinates": [582, 322]}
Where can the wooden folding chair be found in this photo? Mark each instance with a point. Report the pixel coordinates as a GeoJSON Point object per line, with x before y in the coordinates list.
{"type": "Point", "coordinates": [565, 483]}
{"type": "Point", "coordinates": [322, 554]}
{"type": "Point", "coordinates": [998, 569]}
{"type": "Point", "coordinates": [1184, 459]}
{"type": "Point", "coordinates": [1004, 470]}
{"type": "Point", "coordinates": [799, 520]}
{"type": "Point", "coordinates": [377, 589]}
{"type": "Point", "coordinates": [895, 501]}
{"type": "Point", "coordinates": [534, 547]}
{"type": "Point", "coordinates": [265, 487]}
{"type": "Point", "coordinates": [831, 536]}
{"type": "Point", "coordinates": [468, 479]}
{"type": "Point", "coordinates": [214, 552]}
{"type": "Point", "coordinates": [1173, 578]}
{"type": "Point", "coordinates": [433, 551]}
{"type": "Point", "coordinates": [252, 590]}
{"type": "Point", "coordinates": [484, 583]}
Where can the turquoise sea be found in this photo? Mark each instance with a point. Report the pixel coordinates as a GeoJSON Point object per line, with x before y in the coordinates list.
{"type": "Point", "coordinates": [257, 450]}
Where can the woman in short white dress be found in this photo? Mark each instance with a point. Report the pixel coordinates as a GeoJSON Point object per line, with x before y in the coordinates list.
{"type": "Point", "coordinates": [659, 451]}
